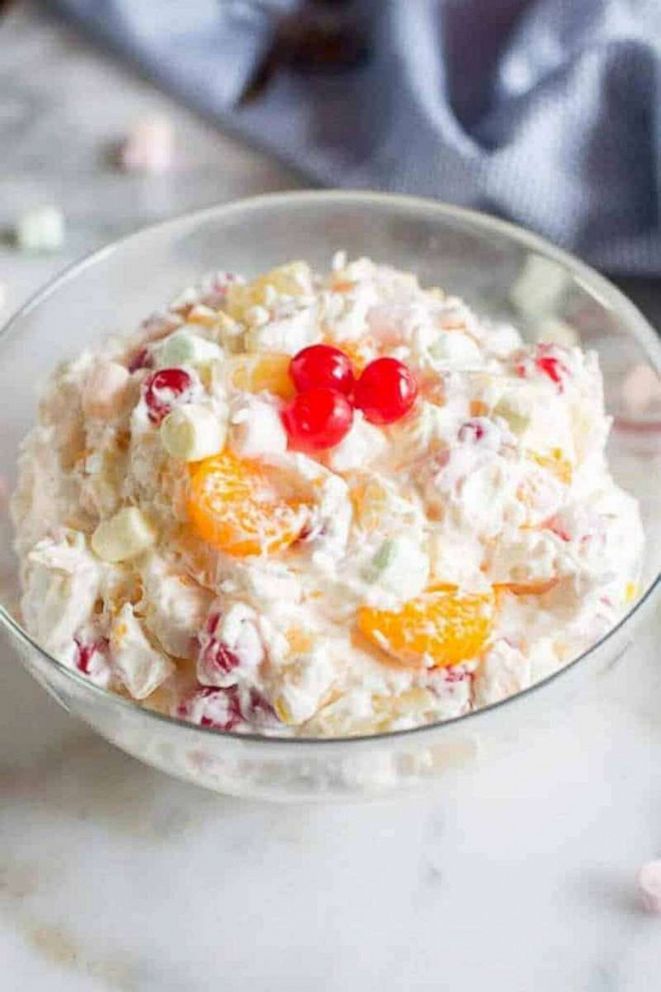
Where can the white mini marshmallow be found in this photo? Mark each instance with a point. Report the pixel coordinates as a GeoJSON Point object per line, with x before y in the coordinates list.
{"type": "Point", "coordinates": [256, 429]}
{"type": "Point", "coordinates": [125, 535]}
{"type": "Point", "coordinates": [539, 287]}
{"type": "Point", "coordinates": [453, 349]}
{"type": "Point", "coordinates": [556, 331]}
{"type": "Point", "coordinates": [104, 391]}
{"type": "Point", "coordinates": [149, 146]}
{"type": "Point", "coordinates": [40, 229]}
{"type": "Point", "coordinates": [305, 684]}
{"type": "Point", "coordinates": [184, 347]}
{"type": "Point", "coordinates": [362, 445]}
{"type": "Point", "coordinates": [286, 334]}
{"type": "Point", "coordinates": [140, 666]}
{"type": "Point", "coordinates": [192, 432]}
{"type": "Point", "coordinates": [649, 886]}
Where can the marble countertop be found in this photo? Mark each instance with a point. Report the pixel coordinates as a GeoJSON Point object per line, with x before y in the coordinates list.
{"type": "Point", "coordinates": [114, 877]}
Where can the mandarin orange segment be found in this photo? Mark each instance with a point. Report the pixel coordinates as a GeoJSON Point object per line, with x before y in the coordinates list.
{"type": "Point", "coordinates": [529, 588]}
{"type": "Point", "coordinates": [342, 285]}
{"type": "Point", "coordinates": [254, 373]}
{"type": "Point", "coordinates": [478, 408]}
{"type": "Point", "coordinates": [233, 505]}
{"type": "Point", "coordinates": [441, 627]}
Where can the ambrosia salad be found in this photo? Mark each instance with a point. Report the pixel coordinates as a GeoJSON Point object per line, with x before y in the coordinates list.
{"type": "Point", "coordinates": [322, 505]}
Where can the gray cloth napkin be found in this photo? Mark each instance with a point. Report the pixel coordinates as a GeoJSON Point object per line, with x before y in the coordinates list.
{"type": "Point", "coordinates": [547, 112]}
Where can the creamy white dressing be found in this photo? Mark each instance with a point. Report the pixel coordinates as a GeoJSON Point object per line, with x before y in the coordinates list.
{"type": "Point", "coordinates": [497, 479]}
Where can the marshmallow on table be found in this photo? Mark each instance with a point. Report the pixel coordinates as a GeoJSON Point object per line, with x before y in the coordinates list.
{"type": "Point", "coordinates": [149, 146]}
{"type": "Point", "coordinates": [40, 229]}
{"type": "Point", "coordinates": [192, 432]}
{"type": "Point", "coordinates": [649, 886]}
{"type": "Point", "coordinates": [125, 535]}
{"type": "Point", "coordinates": [640, 390]}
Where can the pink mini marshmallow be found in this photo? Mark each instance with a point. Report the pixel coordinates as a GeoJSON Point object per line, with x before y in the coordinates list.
{"type": "Point", "coordinates": [149, 146]}
{"type": "Point", "coordinates": [649, 886]}
{"type": "Point", "coordinates": [104, 391]}
{"type": "Point", "coordinates": [640, 390]}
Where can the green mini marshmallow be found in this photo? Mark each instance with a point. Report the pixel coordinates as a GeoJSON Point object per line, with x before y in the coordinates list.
{"type": "Point", "coordinates": [400, 567]}
{"type": "Point", "coordinates": [509, 410]}
{"type": "Point", "coordinates": [184, 348]}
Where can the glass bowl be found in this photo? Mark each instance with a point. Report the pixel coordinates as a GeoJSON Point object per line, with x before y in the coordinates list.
{"type": "Point", "coordinates": [501, 271]}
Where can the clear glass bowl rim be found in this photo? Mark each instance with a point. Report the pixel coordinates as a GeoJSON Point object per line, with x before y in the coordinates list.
{"type": "Point", "coordinates": [597, 283]}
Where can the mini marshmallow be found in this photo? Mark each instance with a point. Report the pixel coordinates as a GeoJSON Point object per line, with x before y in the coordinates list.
{"type": "Point", "coordinates": [399, 567]}
{"type": "Point", "coordinates": [539, 287]}
{"type": "Point", "coordinates": [123, 536]}
{"type": "Point", "coordinates": [186, 348]}
{"type": "Point", "coordinates": [454, 350]}
{"type": "Point", "coordinates": [149, 146]}
{"type": "Point", "coordinates": [256, 429]}
{"type": "Point", "coordinates": [641, 390]}
{"type": "Point", "coordinates": [554, 331]}
{"type": "Point", "coordinates": [140, 666]}
{"type": "Point", "coordinates": [192, 432]}
{"type": "Point", "coordinates": [649, 886]}
{"type": "Point", "coordinates": [363, 444]}
{"type": "Point", "coordinates": [40, 229]}
{"type": "Point", "coordinates": [104, 391]}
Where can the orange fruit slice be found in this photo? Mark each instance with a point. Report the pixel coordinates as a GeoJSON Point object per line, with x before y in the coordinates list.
{"type": "Point", "coordinates": [529, 588]}
{"type": "Point", "coordinates": [234, 505]}
{"type": "Point", "coordinates": [478, 408]}
{"type": "Point", "coordinates": [442, 624]}
{"type": "Point", "coordinates": [256, 372]}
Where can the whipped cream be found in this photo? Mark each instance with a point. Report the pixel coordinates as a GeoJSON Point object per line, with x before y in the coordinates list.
{"type": "Point", "coordinates": [408, 574]}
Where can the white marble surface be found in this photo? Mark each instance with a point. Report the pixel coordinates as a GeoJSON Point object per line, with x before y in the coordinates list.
{"type": "Point", "coordinates": [113, 877]}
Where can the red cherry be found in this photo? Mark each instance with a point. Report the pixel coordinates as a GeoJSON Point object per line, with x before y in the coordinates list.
{"type": "Point", "coordinates": [385, 391]}
{"type": "Point", "coordinates": [322, 365]}
{"type": "Point", "coordinates": [162, 389]}
{"type": "Point", "coordinates": [318, 418]}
